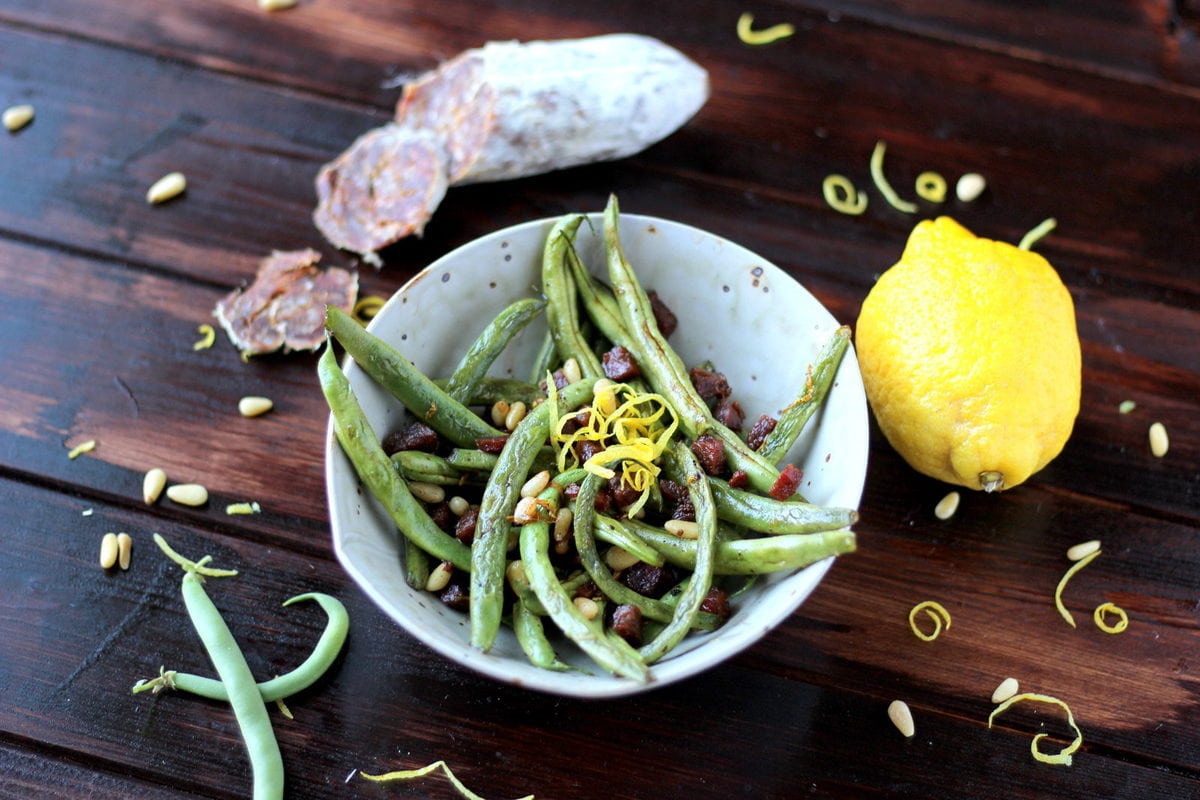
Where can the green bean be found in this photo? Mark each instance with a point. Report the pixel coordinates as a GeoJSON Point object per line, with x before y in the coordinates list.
{"type": "Point", "coordinates": [702, 568]}
{"type": "Point", "coordinates": [484, 351]}
{"type": "Point", "coordinates": [309, 672]}
{"type": "Point", "coordinates": [543, 362]}
{"type": "Point", "coordinates": [767, 515]}
{"type": "Point", "coordinates": [417, 465]}
{"type": "Point", "coordinates": [562, 310]}
{"type": "Point", "coordinates": [395, 373]}
{"type": "Point", "coordinates": [499, 498]}
{"type": "Point", "coordinates": [599, 303]}
{"type": "Point", "coordinates": [266, 763]}
{"type": "Point", "coordinates": [531, 635]}
{"type": "Point", "coordinates": [615, 656]}
{"type": "Point", "coordinates": [612, 532]}
{"type": "Point", "coordinates": [416, 565]}
{"type": "Point", "coordinates": [491, 388]}
{"type": "Point", "coordinates": [475, 460]}
{"type": "Point", "coordinates": [362, 447]}
{"type": "Point", "coordinates": [759, 556]}
{"type": "Point", "coordinates": [793, 419]}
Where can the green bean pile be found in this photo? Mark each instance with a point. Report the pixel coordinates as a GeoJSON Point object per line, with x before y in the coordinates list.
{"type": "Point", "coordinates": [519, 567]}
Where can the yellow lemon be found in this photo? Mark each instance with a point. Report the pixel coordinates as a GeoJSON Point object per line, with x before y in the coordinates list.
{"type": "Point", "coordinates": [970, 357]}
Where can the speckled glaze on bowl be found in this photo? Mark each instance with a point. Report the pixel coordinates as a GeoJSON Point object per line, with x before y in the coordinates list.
{"type": "Point", "coordinates": [746, 316]}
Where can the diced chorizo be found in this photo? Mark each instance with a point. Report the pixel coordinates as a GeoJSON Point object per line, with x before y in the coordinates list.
{"type": "Point", "coordinates": [664, 317]}
{"type": "Point", "coordinates": [712, 386]}
{"type": "Point", "coordinates": [716, 602]}
{"type": "Point", "coordinates": [627, 623]}
{"type": "Point", "coordinates": [491, 444]}
{"type": "Point", "coordinates": [620, 365]}
{"type": "Point", "coordinates": [710, 452]}
{"type": "Point", "coordinates": [760, 430]}
{"type": "Point", "coordinates": [729, 413]}
{"type": "Point", "coordinates": [787, 483]}
{"type": "Point", "coordinates": [649, 580]}
{"type": "Point", "coordinates": [413, 436]}
{"type": "Point", "coordinates": [464, 528]}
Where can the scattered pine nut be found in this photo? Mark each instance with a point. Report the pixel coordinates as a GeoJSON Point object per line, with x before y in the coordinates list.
{"type": "Point", "coordinates": [571, 371]}
{"type": "Point", "coordinates": [109, 549]}
{"type": "Point", "coordinates": [536, 485]}
{"type": "Point", "coordinates": [428, 492]}
{"type": "Point", "coordinates": [87, 512]}
{"type": "Point", "coordinates": [683, 528]}
{"type": "Point", "coordinates": [167, 187]}
{"type": "Point", "coordinates": [276, 5]}
{"type": "Point", "coordinates": [587, 606]}
{"type": "Point", "coordinates": [499, 412]}
{"type": "Point", "coordinates": [526, 511]}
{"type": "Point", "coordinates": [947, 506]}
{"type": "Point", "coordinates": [153, 485]}
{"type": "Point", "coordinates": [1159, 443]}
{"type": "Point", "coordinates": [969, 187]}
{"type": "Point", "coordinates": [1126, 406]}
{"type": "Point", "coordinates": [439, 577]}
{"type": "Point", "coordinates": [562, 524]}
{"type": "Point", "coordinates": [80, 449]}
{"type": "Point", "coordinates": [254, 406]}
{"type": "Point", "coordinates": [901, 716]}
{"type": "Point", "coordinates": [124, 550]}
{"type": "Point", "coordinates": [1083, 550]}
{"type": "Point", "coordinates": [604, 396]}
{"type": "Point", "coordinates": [515, 572]}
{"type": "Point", "coordinates": [459, 505]}
{"type": "Point", "coordinates": [1007, 688]}
{"type": "Point", "coordinates": [243, 508]}
{"type": "Point", "coordinates": [17, 117]}
{"type": "Point", "coordinates": [618, 558]}
{"type": "Point", "coordinates": [188, 494]}
{"type": "Point", "coordinates": [516, 413]}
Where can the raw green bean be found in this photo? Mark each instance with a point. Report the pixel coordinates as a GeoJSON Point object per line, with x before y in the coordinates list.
{"type": "Point", "coordinates": [305, 675]}
{"type": "Point", "coordinates": [793, 419]}
{"type": "Point", "coordinates": [484, 351]}
{"type": "Point", "coordinates": [615, 656]}
{"type": "Point", "coordinates": [562, 310]}
{"type": "Point", "coordinates": [362, 447]}
{"type": "Point", "coordinates": [499, 498]}
{"type": "Point", "coordinates": [759, 556]}
{"type": "Point", "coordinates": [398, 375]}
{"type": "Point", "coordinates": [767, 515]}
{"type": "Point", "coordinates": [266, 763]}
{"type": "Point", "coordinates": [702, 570]}
{"type": "Point", "coordinates": [531, 635]}
{"type": "Point", "coordinates": [490, 389]}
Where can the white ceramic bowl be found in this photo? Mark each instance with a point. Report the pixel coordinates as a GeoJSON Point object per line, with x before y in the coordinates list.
{"type": "Point", "coordinates": [746, 316]}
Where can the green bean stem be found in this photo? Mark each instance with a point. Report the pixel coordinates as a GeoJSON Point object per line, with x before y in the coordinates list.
{"type": "Point", "coordinates": [562, 310]}
{"type": "Point", "coordinates": [490, 343]}
{"type": "Point", "coordinates": [615, 656]}
{"type": "Point", "coordinates": [311, 670]}
{"type": "Point", "coordinates": [401, 378]}
{"type": "Point", "coordinates": [767, 515]}
{"type": "Point", "coordinates": [759, 556]}
{"type": "Point", "coordinates": [499, 498]}
{"type": "Point", "coordinates": [793, 419]}
{"type": "Point", "coordinates": [266, 763]}
{"type": "Point", "coordinates": [362, 447]}
{"type": "Point", "coordinates": [702, 569]}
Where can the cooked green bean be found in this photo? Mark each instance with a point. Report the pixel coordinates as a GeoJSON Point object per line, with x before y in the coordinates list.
{"type": "Point", "coordinates": [266, 763]}
{"type": "Point", "coordinates": [487, 554]}
{"type": "Point", "coordinates": [305, 675]}
{"type": "Point", "coordinates": [760, 556]}
{"type": "Point", "coordinates": [362, 447]}
{"type": "Point", "coordinates": [416, 565]}
{"type": "Point", "coordinates": [491, 388]}
{"type": "Point", "coordinates": [615, 656]}
{"type": "Point", "coordinates": [402, 379]}
{"type": "Point", "coordinates": [484, 351]}
{"type": "Point", "coordinates": [417, 465]}
{"type": "Point", "coordinates": [531, 635]}
{"type": "Point", "coordinates": [767, 515]}
{"type": "Point", "coordinates": [474, 460]}
{"type": "Point", "coordinates": [562, 310]}
{"type": "Point", "coordinates": [793, 419]}
{"type": "Point", "coordinates": [543, 362]}
{"type": "Point", "coordinates": [702, 569]}
{"type": "Point", "coordinates": [610, 531]}
{"type": "Point", "coordinates": [599, 303]}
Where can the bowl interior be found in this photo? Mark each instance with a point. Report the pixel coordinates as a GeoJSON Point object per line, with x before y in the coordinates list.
{"type": "Point", "coordinates": [747, 317]}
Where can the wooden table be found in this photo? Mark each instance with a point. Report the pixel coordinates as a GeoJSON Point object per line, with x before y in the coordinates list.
{"type": "Point", "coordinates": [1082, 111]}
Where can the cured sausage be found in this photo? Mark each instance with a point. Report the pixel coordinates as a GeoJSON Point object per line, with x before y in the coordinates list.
{"type": "Point", "coordinates": [505, 110]}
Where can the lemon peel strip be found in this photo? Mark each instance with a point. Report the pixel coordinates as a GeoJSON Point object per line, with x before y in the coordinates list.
{"type": "Point", "coordinates": [1111, 608]}
{"type": "Point", "coordinates": [367, 307]}
{"type": "Point", "coordinates": [843, 196]}
{"type": "Point", "coordinates": [931, 186]}
{"type": "Point", "coordinates": [1062, 584]}
{"type": "Point", "coordinates": [410, 774]}
{"type": "Point", "coordinates": [1037, 234]}
{"type": "Point", "coordinates": [774, 33]}
{"type": "Point", "coordinates": [80, 449]}
{"type": "Point", "coordinates": [881, 182]}
{"type": "Point", "coordinates": [936, 611]}
{"type": "Point", "coordinates": [1064, 755]}
{"type": "Point", "coordinates": [208, 336]}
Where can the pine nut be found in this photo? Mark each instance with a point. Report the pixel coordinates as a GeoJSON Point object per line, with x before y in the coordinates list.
{"type": "Point", "coordinates": [427, 492]}
{"type": "Point", "coordinates": [109, 549]}
{"type": "Point", "coordinates": [17, 117]}
{"type": "Point", "coordinates": [901, 717]}
{"type": "Point", "coordinates": [1007, 688]}
{"type": "Point", "coordinates": [587, 606]}
{"type": "Point", "coordinates": [683, 528]}
{"type": "Point", "coordinates": [124, 549]}
{"type": "Point", "coordinates": [618, 558]}
{"type": "Point", "coordinates": [1158, 440]}
{"type": "Point", "coordinates": [499, 412]}
{"type": "Point", "coordinates": [439, 577]}
{"type": "Point", "coordinates": [515, 572]}
{"type": "Point", "coordinates": [188, 494]}
{"type": "Point", "coordinates": [562, 524]}
{"type": "Point", "coordinates": [947, 506]}
{"type": "Point", "coordinates": [254, 406]}
{"type": "Point", "coordinates": [276, 5]}
{"type": "Point", "coordinates": [516, 413]}
{"type": "Point", "coordinates": [459, 505]}
{"type": "Point", "coordinates": [970, 186]}
{"type": "Point", "coordinates": [168, 186]}
{"type": "Point", "coordinates": [536, 485]}
{"type": "Point", "coordinates": [571, 371]}
{"type": "Point", "coordinates": [526, 511]}
{"type": "Point", "coordinates": [1083, 550]}
{"type": "Point", "coordinates": [153, 485]}
{"type": "Point", "coordinates": [1126, 407]}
